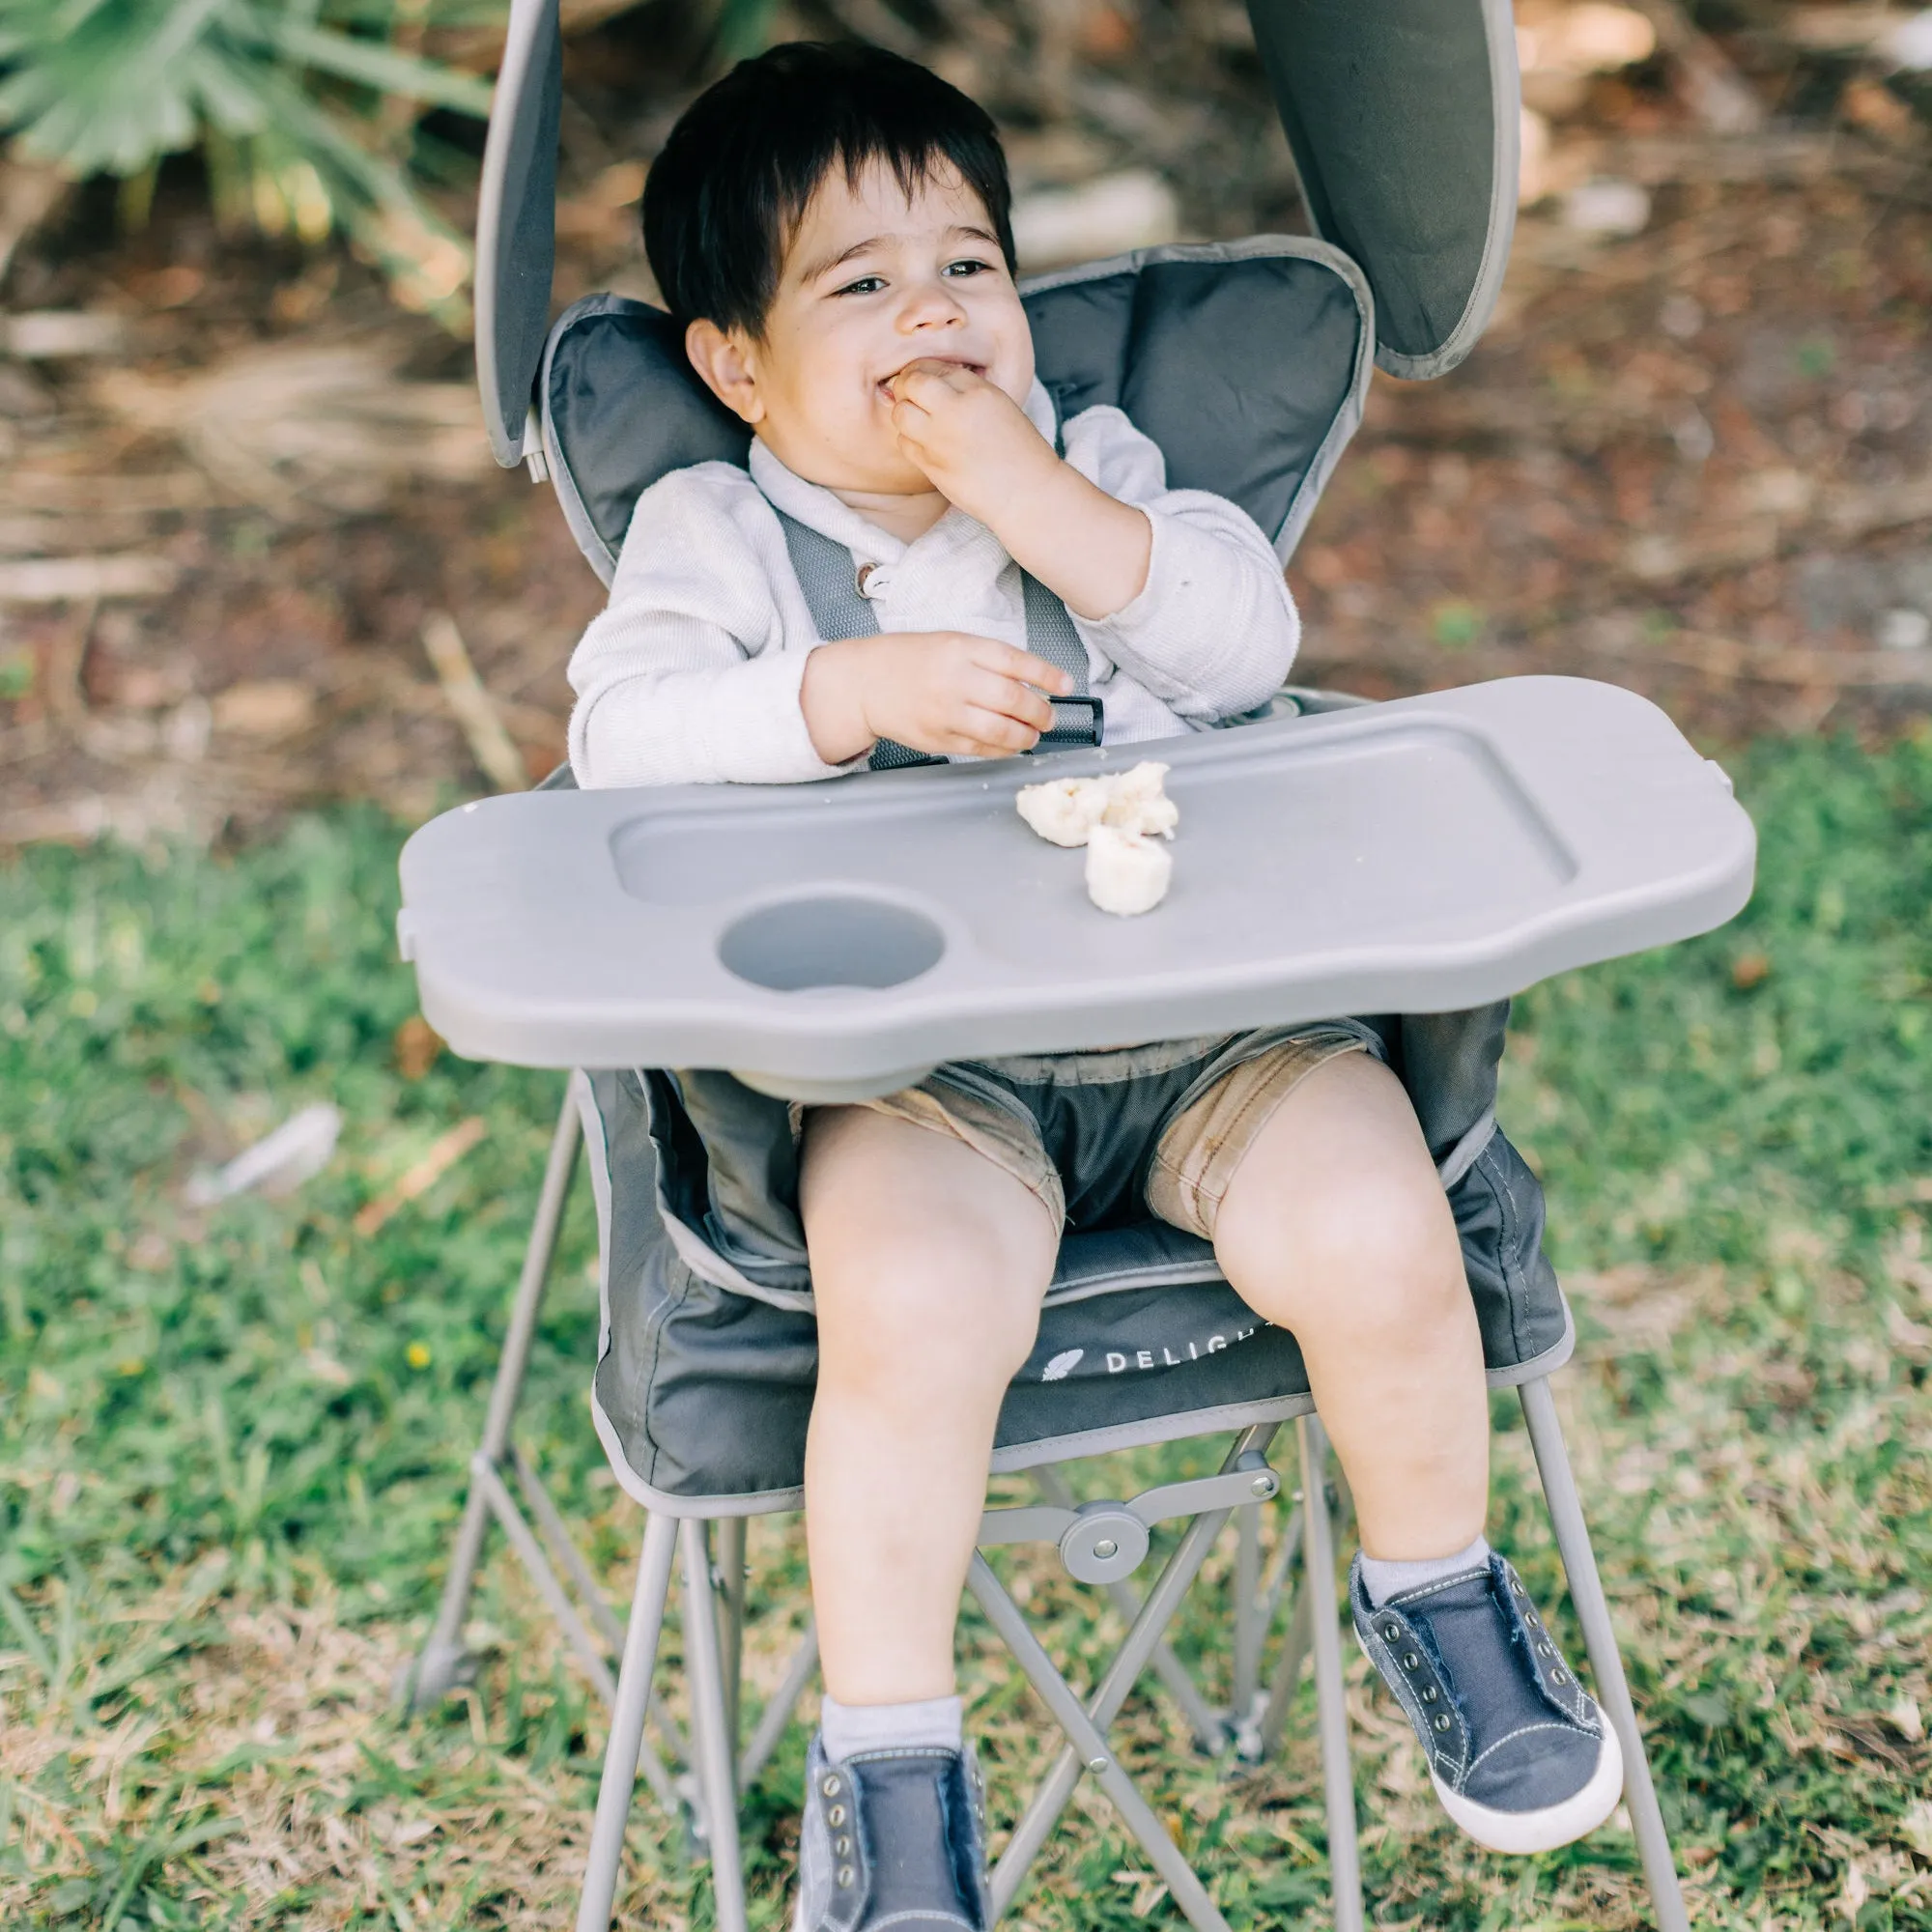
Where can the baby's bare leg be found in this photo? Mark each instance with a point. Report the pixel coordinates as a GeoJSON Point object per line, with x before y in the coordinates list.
{"type": "Point", "coordinates": [928, 1263]}
{"type": "Point", "coordinates": [1335, 1227]}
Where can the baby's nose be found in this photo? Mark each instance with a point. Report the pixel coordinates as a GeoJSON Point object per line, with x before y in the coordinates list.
{"type": "Point", "coordinates": [932, 306]}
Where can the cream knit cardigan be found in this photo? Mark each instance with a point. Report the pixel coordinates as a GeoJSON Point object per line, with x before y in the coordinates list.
{"type": "Point", "coordinates": [691, 672]}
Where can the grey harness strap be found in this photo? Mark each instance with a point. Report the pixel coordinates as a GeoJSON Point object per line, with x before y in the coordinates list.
{"type": "Point", "coordinates": [825, 574]}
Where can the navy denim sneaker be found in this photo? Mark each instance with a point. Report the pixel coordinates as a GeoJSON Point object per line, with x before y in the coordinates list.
{"type": "Point", "coordinates": [1522, 1758]}
{"type": "Point", "coordinates": [893, 1837]}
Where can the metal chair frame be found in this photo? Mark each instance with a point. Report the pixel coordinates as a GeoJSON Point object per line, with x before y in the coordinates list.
{"type": "Point", "coordinates": [1100, 1542]}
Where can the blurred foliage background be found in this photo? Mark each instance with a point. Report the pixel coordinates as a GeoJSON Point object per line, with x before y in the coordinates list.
{"type": "Point", "coordinates": [245, 506]}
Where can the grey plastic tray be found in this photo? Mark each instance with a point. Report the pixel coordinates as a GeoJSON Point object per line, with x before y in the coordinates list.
{"type": "Point", "coordinates": [842, 938]}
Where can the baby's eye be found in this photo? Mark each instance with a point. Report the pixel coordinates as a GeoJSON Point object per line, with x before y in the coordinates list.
{"type": "Point", "coordinates": [865, 285]}
{"type": "Point", "coordinates": [968, 267]}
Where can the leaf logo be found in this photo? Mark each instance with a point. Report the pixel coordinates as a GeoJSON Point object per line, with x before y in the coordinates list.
{"type": "Point", "coordinates": [1061, 1366]}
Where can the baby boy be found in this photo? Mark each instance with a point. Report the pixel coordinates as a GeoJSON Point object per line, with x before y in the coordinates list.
{"type": "Point", "coordinates": [830, 224]}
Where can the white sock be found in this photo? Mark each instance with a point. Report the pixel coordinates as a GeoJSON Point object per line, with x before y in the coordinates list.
{"type": "Point", "coordinates": [1385, 1580]}
{"type": "Point", "coordinates": [932, 1724]}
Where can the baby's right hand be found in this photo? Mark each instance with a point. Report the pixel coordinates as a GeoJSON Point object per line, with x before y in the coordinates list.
{"type": "Point", "coordinates": [945, 693]}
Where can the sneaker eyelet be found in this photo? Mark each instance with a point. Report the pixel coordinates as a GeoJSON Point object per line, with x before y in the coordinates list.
{"type": "Point", "coordinates": [1560, 1677]}
{"type": "Point", "coordinates": [1412, 1661]}
{"type": "Point", "coordinates": [1393, 1632]}
{"type": "Point", "coordinates": [846, 1875]}
{"type": "Point", "coordinates": [1442, 1720]}
{"type": "Point", "coordinates": [835, 1816]}
{"type": "Point", "coordinates": [1516, 1584]}
{"type": "Point", "coordinates": [841, 1848]}
{"type": "Point", "coordinates": [1429, 1694]}
{"type": "Point", "coordinates": [830, 1786]}
{"type": "Point", "coordinates": [1546, 1649]}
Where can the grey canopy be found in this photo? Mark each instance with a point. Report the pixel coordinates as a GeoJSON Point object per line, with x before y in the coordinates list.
{"type": "Point", "coordinates": [1402, 117]}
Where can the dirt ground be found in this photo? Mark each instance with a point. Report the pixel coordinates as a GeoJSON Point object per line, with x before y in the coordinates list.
{"type": "Point", "coordinates": [1695, 459]}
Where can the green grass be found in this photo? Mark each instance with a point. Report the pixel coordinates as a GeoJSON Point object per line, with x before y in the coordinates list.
{"type": "Point", "coordinates": [232, 1443]}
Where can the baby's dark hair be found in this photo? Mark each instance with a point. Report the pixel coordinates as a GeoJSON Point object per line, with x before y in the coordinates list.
{"type": "Point", "coordinates": [726, 196]}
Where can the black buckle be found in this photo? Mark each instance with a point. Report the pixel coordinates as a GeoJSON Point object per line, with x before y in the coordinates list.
{"type": "Point", "coordinates": [1076, 721]}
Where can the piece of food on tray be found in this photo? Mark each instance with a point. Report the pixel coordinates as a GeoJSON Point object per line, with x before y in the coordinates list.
{"type": "Point", "coordinates": [1137, 801]}
{"type": "Point", "coordinates": [1065, 810]}
{"type": "Point", "coordinates": [1126, 872]}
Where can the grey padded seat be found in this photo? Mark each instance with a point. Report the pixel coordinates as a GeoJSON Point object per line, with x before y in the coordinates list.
{"type": "Point", "coordinates": [704, 1392]}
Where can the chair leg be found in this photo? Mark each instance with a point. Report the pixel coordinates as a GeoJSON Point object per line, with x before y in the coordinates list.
{"type": "Point", "coordinates": [1141, 1646]}
{"type": "Point", "coordinates": [1050, 1797]}
{"type": "Point", "coordinates": [1600, 1640]}
{"type": "Point", "coordinates": [1092, 1747]}
{"type": "Point", "coordinates": [1209, 1732]}
{"type": "Point", "coordinates": [444, 1662]}
{"type": "Point", "coordinates": [627, 1725]}
{"type": "Point", "coordinates": [779, 1709]}
{"type": "Point", "coordinates": [1248, 1631]}
{"type": "Point", "coordinates": [1344, 1869]}
{"type": "Point", "coordinates": [732, 1580]}
{"type": "Point", "coordinates": [1294, 1655]}
{"type": "Point", "coordinates": [710, 1745]}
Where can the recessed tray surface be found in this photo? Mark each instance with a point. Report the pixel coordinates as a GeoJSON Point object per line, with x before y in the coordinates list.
{"type": "Point", "coordinates": [1420, 856]}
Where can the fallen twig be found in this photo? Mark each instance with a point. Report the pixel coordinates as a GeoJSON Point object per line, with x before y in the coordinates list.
{"type": "Point", "coordinates": [471, 705]}
{"type": "Point", "coordinates": [74, 580]}
{"type": "Point", "coordinates": [1777, 157]}
{"type": "Point", "coordinates": [1836, 30]}
{"type": "Point", "coordinates": [443, 1154]}
{"type": "Point", "coordinates": [304, 431]}
{"type": "Point", "coordinates": [53, 335]}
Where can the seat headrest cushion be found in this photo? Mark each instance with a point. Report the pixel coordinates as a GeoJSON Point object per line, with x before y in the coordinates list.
{"type": "Point", "coordinates": [1246, 361]}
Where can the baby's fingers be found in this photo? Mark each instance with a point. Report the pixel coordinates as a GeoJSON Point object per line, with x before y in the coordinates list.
{"type": "Point", "coordinates": [1010, 698]}
{"type": "Point", "coordinates": [1028, 669]}
{"type": "Point", "coordinates": [934, 376]}
{"type": "Point", "coordinates": [984, 733]}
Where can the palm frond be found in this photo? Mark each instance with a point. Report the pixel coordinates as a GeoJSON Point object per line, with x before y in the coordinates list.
{"type": "Point", "coordinates": [295, 104]}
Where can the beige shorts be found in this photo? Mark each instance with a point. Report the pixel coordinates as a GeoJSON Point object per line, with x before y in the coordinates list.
{"type": "Point", "coordinates": [1097, 1136]}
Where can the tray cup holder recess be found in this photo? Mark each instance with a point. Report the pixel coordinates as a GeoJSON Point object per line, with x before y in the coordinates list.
{"type": "Point", "coordinates": [831, 940]}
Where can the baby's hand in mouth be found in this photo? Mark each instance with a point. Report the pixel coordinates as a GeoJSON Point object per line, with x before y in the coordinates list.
{"type": "Point", "coordinates": [902, 384]}
{"type": "Point", "coordinates": [969, 437]}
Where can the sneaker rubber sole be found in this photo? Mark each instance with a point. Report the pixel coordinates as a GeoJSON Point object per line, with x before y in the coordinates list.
{"type": "Point", "coordinates": [1524, 1832]}
{"type": "Point", "coordinates": [1519, 1833]}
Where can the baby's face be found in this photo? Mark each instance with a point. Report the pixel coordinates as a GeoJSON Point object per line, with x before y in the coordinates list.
{"type": "Point", "coordinates": [873, 280]}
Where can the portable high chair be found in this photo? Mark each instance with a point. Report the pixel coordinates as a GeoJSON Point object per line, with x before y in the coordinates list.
{"type": "Point", "coordinates": [1416, 862]}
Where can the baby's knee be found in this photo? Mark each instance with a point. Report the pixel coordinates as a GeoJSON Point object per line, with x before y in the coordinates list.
{"type": "Point", "coordinates": [1377, 1249]}
{"type": "Point", "coordinates": [924, 1325]}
